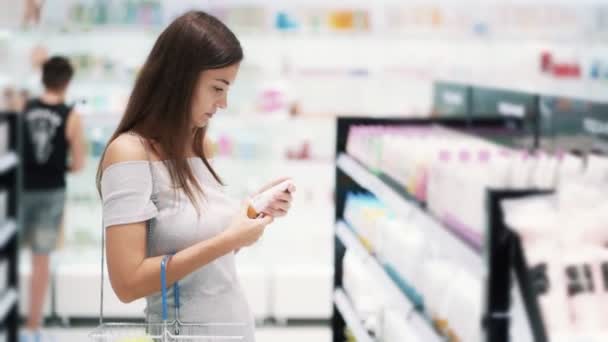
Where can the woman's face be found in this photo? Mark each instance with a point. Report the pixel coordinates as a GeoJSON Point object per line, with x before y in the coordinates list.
{"type": "Point", "coordinates": [211, 93]}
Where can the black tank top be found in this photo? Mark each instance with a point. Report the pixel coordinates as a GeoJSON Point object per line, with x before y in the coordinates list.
{"type": "Point", "coordinates": [45, 147]}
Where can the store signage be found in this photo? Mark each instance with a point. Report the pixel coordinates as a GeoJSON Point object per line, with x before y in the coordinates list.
{"type": "Point", "coordinates": [595, 127]}
{"type": "Point", "coordinates": [490, 102]}
{"type": "Point", "coordinates": [511, 109]}
{"type": "Point", "coordinates": [451, 99]}
{"type": "Point", "coordinates": [576, 124]}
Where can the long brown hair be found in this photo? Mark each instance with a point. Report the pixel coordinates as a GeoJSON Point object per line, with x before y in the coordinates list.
{"type": "Point", "coordinates": [159, 108]}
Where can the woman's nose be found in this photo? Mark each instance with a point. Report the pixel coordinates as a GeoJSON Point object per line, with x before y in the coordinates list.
{"type": "Point", "coordinates": [223, 102]}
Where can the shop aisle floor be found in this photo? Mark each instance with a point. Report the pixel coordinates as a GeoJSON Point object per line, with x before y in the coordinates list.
{"type": "Point", "coordinates": [264, 334]}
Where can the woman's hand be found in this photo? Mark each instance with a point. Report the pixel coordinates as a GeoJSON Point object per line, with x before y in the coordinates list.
{"type": "Point", "coordinates": [245, 231]}
{"type": "Point", "coordinates": [279, 206]}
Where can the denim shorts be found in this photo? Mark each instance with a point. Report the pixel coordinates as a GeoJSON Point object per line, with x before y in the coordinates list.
{"type": "Point", "coordinates": [42, 212]}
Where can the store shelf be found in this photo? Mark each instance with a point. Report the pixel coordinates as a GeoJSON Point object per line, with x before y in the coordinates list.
{"type": "Point", "coordinates": [8, 302]}
{"type": "Point", "coordinates": [350, 316]}
{"type": "Point", "coordinates": [398, 298]}
{"type": "Point", "coordinates": [352, 243]}
{"type": "Point", "coordinates": [520, 327]}
{"type": "Point", "coordinates": [8, 161]}
{"type": "Point", "coordinates": [465, 245]}
{"type": "Point", "coordinates": [7, 231]}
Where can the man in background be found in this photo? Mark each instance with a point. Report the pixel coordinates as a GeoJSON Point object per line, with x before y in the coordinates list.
{"type": "Point", "coordinates": [53, 145]}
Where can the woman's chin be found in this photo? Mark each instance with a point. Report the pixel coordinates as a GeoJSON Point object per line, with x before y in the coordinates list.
{"type": "Point", "coordinates": [201, 124]}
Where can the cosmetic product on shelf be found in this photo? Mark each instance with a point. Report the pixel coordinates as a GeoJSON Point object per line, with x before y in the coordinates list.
{"type": "Point", "coordinates": [451, 171]}
{"type": "Point", "coordinates": [364, 292]}
{"type": "Point", "coordinates": [462, 302]}
{"type": "Point", "coordinates": [429, 279]}
{"type": "Point", "coordinates": [564, 240]}
{"type": "Point", "coordinates": [396, 328]}
{"type": "Point", "coordinates": [364, 211]}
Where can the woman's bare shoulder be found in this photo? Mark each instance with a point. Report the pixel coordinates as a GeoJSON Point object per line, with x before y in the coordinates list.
{"type": "Point", "coordinates": [126, 147]}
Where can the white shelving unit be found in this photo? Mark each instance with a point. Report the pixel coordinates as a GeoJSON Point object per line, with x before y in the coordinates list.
{"type": "Point", "coordinates": [7, 302]}
{"type": "Point", "coordinates": [10, 181]}
{"type": "Point", "coordinates": [463, 253]}
{"type": "Point", "coordinates": [351, 242]}
{"type": "Point", "coordinates": [7, 231]}
{"type": "Point", "coordinates": [8, 161]}
{"type": "Point", "coordinates": [398, 300]}
{"type": "Point", "coordinates": [350, 316]}
{"type": "Point", "coordinates": [452, 241]}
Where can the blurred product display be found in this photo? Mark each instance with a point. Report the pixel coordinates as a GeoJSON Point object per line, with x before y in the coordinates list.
{"type": "Point", "coordinates": [450, 160]}
{"type": "Point", "coordinates": [433, 222]}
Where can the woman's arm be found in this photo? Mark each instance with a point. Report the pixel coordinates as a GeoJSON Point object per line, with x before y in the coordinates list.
{"type": "Point", "coordinates": [133, 275]}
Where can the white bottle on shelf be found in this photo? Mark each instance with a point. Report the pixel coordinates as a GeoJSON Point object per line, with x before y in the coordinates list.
{"type": "Point", "coordinates": [396, 328]}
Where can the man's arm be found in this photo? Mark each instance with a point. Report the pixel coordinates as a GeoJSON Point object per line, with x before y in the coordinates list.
{"type": "Point", "coordinates": [75, 136]}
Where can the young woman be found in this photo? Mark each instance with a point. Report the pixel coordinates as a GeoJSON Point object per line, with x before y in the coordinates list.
{"type": "Point", "coordinates": [161, 195]}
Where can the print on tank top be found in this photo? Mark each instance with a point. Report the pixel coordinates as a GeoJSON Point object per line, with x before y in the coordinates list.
{"type": "Point", "coordinates": [42, 127]}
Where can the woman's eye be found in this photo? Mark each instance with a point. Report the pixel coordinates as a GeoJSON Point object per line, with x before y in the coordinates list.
{"type": "Point", "coordinates": [218, 89]}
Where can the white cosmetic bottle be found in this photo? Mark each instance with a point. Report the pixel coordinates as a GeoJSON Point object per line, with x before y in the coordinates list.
{"type": "Point", "coordinates": [259, 203]}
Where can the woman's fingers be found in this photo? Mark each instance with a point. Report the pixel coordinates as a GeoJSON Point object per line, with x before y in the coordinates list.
{"type": "Point", "coordinates": [284, 196]}
{"type": "Point", "coordinates": [278, 209]}
{"type": "Point", "coordinates": [277, 213]}
{"type": "Point", "coordinates": [280, 205]}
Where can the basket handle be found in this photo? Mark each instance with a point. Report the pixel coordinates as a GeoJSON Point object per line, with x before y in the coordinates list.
{"type": "Point", "coordinates": [163, 288]}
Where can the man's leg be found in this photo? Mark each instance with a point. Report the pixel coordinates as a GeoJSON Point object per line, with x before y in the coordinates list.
{"type": "Point", "coordinates": [38, 289]}
{"type": "Point", "coordinates": [44, 236]}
